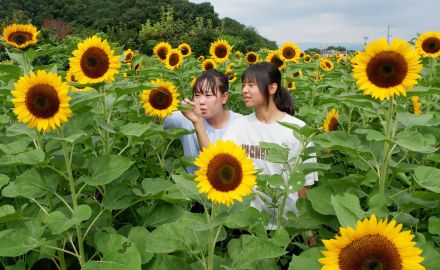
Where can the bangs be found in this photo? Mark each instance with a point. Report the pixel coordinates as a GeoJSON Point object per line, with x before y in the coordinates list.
{"type": "Point", "coordinates": [249, 76]}
{"type": "Point", "coordinates": [204, 85]}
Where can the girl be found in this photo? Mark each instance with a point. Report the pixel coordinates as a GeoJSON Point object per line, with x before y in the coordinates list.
{"type": "Point", "coordinates": [262, 91]}
{"type": "Point", "coordinates": [210, 93]}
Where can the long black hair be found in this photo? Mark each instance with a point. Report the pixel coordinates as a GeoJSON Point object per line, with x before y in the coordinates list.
{"type": "Point", "coordinates": [211, 79]}
{"type": "Point", "coordinates": [265, 74]}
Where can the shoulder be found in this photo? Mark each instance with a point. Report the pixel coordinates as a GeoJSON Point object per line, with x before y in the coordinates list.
{"type": "Point", "coordinates": [293, 120]}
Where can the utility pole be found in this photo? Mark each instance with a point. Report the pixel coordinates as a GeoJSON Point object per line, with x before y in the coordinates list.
{"type": "Point", "coordinates": [388, 33]}
{"type": "Point", "coordinates": [365, 40]}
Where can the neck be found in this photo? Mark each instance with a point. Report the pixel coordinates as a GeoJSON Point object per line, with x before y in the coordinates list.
{"type": "Point", "coordinates": [220, 120]}
{"type": "Point", "coordinates": [269, 114]}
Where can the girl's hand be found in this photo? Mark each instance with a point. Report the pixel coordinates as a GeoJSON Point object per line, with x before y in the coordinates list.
{"type": "Point", "coordinates": [195, 115]}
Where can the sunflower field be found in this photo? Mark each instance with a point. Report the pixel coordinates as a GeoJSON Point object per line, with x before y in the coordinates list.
{"type": "Point", "coordinates": [90, 179]}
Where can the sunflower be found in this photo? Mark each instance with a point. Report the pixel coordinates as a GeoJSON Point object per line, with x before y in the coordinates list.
{"type": "Point", "coordinates": [41, 100]}
{"type": "Point", "coordinates": [301, 55]}
{"type": "Point", "coordinates": [185, 49]}
{"type": "Point", "coordinates": [251, 58]}
{"type": "Point", "coordinates": [71, 78]}
{"type": "Point", "coordinates": [161, 50]}
{"type": "Point", "coordinates": [372, 244]}
{"type": "Point", "coordinates": [238, 54]}
{"type": "Point", "coordinates": [201, 58]}
{"type": "Point", "coordinates": [307, 58]}
{"type": "Point", "coordinates": [385, 70]}
{"type": "Point", "coordinates": [297, 74]}
{"type": "Point", "coordinates": [428, 44]}
{"type": "Point", "coordinates": [289, 51]}
{"type": "Point", "coordinates": [208, 64]}
{"type": "Point", "coordinates": [94, 61]}
{"type": "Point", "coordinates": [220, 50]}
{"type": "Point", "coordinates": [20, 36]}
{"type": "Point", "coordinates": [161, 100]}
{"type": "Point", "coordinates": [174, 59]}
{"type": "Point", "coordinates": [137, 67]}
{"type": "Point", "coordinates": [331, 121]}
{"type": "Point", "coordinates": [128, 55]}
{"type": "Point", "coordinates": [226, 173]}
{"type": "Point", "coordinates": [325, 64]}
{"type": "Point", "coordinates": [232, 77]}
{"type": "Point", "coordinates": [416, 105]}
{"type": "Point", "coordinates": [274, 58]}
{"type": "Point", "coordinates": [291, 85]}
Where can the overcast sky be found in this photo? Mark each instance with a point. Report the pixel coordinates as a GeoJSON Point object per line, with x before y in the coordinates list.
{"type": "Point", "coordinates": [332, 21]}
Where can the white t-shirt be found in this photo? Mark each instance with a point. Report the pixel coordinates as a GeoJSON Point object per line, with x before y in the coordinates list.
{"type": "Point", "coordinates": [189, 142]}
{"type": "Point", "coordinates": [248, 132]}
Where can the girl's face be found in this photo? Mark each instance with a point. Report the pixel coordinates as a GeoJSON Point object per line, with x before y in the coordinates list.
{"type": "Point", "coordinates": [252, 96]}
{"type": "Point", "coordinates": [210, 104]}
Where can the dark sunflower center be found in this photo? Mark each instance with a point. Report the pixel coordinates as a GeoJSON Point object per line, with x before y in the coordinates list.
{"type": "Point", "coordinates": [128, 57]}
{"type": "Point", "coordinates": [209, 66]}
{"type": "Point", "coordinates": [387, 69]}
{"type": "Point", "coordinates": [295, 74]}
{"type": "Point", "coordinates": [278, 62]}
{"type": "Point", "coordinates": [20, 37]}
{"type": "Point", "coordinates": [184, 50]}
{"type": "Point", "coordinates": [306, 58]}
{"type": "Point", "coordinates": [42, 101]}
{"type": "Point", "coordinates": [333, 125]}
{"type": "Point", "coordinates": [251, 58]}
{"type": "Point", "coordinates": [371, 252]}
{"type": "Point", "coordinates": [431, 45]}
{"type": "Point", "coordinates": [221, 51]}
{"type": "Point", "coordinates": [160, 98]}
{"type": "Point", "coordinates": [224, 172]}
{"type": "Point", "coordinates": [290, 85]}
{"type": "Point", "coordinates": [174, 59]}
{"type": "Point", "coordinates": [328, 65]}
{"type": "Point", "coordinates": [289, 53]}
{"type": "Point", "coordinates": [94, 62]}
{"type": "Point", "coordinates": [162, 53]}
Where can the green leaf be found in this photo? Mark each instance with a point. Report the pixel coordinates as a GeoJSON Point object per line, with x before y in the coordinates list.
{"type": "Point", "coordinates": [6, 210]}
{"type": "Point", "coordinates": [347, 208]}
{"type": "Point", "coordinates": [33, 183]}
{"type": "Point", "coordinates": [81, 99]}
{"type": "Point", "coordinates": [338, 140]}
{"type": "Point", "coordinates": [320, 198]}
{"type": "Point", "coordinates": [133, 129]}
{"type": "Point", "coordinates": [20, 129]}
{"type": "Point", "coordinates": [159, 214]}
{"type": "Point", "coordinates": [32, 157]}
{"type": "Point", "coordinates": [163, 261]}
{"type": "Point", "coordinates": [249, 249]}
{"type": "Point", "coordinates": [276, 154]}
{"type": "Point", "coordinates": [188, 187]}
{"type": "Point", "coordinates": [423, 91]}
{"type": "Point", "coordinates": [16, 242]}
{"type": "Point", "coordinates": [242, 219]}
{"type": "Point", "coordinates": [15, 145]}
{"type": "Point", "coordinates": [59, 223]}
{"type": "Point", "coordinates": [106, 169]}
{"type": "Point", "coordinates": [372, 135]}
{"type": "Point", "coordinates": [281, 237]}
{"type": "Point", "coordinates": [308, 259]}
{"type": "Point", "coordinates": [430, 252]}
{"type": "Point", "coordinates": [117, 253]}
{"type": "Point", "coordinates": [138, 236]}
{"type": "Point", "coordinates": [118, 195]}
{"type": "Point", "coordinates": [428, 177]}
{"type": "Point", "coordinates": [410, 120]}
{"type": "Point", "coordinates": [4, 179]}
{"type": "Point", "coordinates": [413, 141]}
{"type": "Point", "coordinates": [70, 139]}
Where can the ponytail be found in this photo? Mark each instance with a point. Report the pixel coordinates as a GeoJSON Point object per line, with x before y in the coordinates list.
{"type": "Point", "coordinates": [284, 101]}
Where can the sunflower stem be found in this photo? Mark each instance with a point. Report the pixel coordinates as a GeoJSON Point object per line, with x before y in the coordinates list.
{"type": "Point", "coordinates": [105, 136]}
{"type": "Point", "coordinates": [26, 68]}
{"type": "Point", "coordinates": [73, 194]}
{"type": "Point", "coordinates": [39, 140]}
{"type": "Point", "coordinates": [387, 152]}
{"type": "Point", "coordinates": [212, 237]}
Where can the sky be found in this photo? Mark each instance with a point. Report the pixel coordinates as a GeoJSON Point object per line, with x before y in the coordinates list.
{"type": "Point", "coordinates": [332, 21]}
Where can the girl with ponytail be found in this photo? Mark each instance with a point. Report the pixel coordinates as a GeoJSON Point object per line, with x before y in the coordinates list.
{"type": "Point", "coordinates": [262, 91]}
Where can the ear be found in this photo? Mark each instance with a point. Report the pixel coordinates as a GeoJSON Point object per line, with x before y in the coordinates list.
{"type": "Point", "coordinates": [225, 97]}
{"type": "Point", "coordinates": [273, 88]}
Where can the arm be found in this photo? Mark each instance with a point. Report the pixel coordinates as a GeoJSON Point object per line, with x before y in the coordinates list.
{"type": "Point", "coordinates": [196, 117]}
